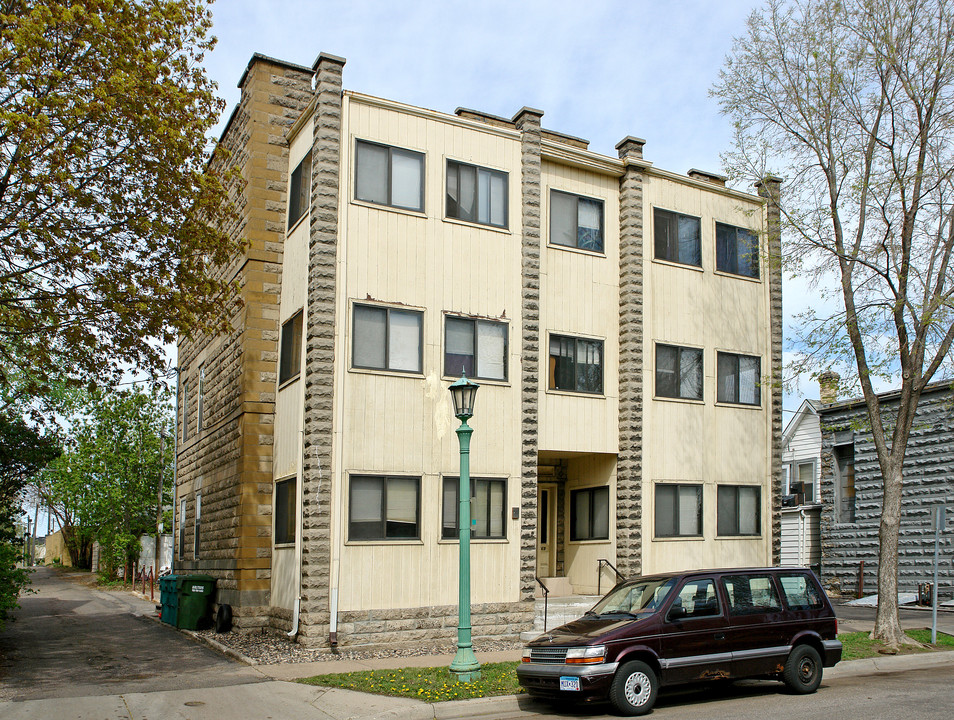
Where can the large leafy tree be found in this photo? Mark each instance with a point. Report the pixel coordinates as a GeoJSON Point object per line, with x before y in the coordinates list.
{"type": "Point", "coordinates": [105, 486]}
{"type": "Point", "coordinates": [852, 101]}
{"type": "Point", "coordinates": [109, 220]}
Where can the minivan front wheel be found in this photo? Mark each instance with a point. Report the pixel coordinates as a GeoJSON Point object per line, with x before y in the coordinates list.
{"type": "Point", "coordinates": [803, 670]}
{"type": "Point", "coordinates": [634, 688]}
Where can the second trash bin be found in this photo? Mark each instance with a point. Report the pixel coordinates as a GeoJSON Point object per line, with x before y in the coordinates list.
{"type": "Point", "coordinates": [195, 593]}
{"type": "Point", "coordinates": [168, 596]}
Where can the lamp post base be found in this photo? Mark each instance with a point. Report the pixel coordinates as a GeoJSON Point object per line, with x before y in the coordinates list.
{"type": "Point", "coordinates": [465, 666]}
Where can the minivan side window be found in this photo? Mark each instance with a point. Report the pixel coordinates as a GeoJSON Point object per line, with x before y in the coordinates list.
{"type": "Point", "coordinates": [750, 594]}
{"type": "Point", "coordinates": [800, 592]}
{"type": "Point", "coordinates": [696, 599]}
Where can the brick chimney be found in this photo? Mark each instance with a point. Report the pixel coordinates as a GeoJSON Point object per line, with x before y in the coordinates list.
{"type": "Point", "coordinates": [828, 386]}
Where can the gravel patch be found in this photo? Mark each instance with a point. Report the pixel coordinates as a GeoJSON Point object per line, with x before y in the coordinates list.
{"type": "Point", "coordinates": [270, 648]}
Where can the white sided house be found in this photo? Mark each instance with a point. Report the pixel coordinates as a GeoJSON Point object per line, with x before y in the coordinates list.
{"type": "Point", "coordinates": [801, 472]}
{"type": "Point", "coordinates": [623, 323]}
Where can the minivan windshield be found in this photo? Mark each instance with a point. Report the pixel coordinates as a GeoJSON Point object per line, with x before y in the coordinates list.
{"type": "Point", "coordinates": [636, 597]}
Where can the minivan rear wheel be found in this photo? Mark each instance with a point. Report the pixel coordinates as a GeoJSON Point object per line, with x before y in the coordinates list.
{"type": "Point", "coordinates": [634, 688]}
{"type": "Point", "coordinates": [803, 670]}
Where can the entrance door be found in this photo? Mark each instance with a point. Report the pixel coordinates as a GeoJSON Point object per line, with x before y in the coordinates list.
{"type": "Point", "coordinates": [546, 530]}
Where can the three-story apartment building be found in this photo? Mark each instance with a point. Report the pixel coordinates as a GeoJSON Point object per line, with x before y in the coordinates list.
{"type": "Point", "coordinates": [623, 322]}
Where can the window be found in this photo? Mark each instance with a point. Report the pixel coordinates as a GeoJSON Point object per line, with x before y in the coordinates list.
{"type": "Point", "coordinates": [697, 599]}
{"type": "Point", "coordinates": [182, 525]}
{"type": "Point", "coordinates": [677, 237]}
{"type": "Point", "coordinates": [802, 480]}
{"type": "Point", "coordinates": [289, 364]}
{"type": "Point", "coordinates": [387, 339]}
{"type": "Point", "coordinates": [750, 594]}
{"type": "Point", "coordinates": [739, 379]}
{"type": "Point", "coordinates": [576, 364]}
{"type": "Point", "coordinates": [389, 176]}
{"type": "Point", "coordinates": [477, 347]}
{"type": "Point", "coordinates": [678, 510]}
{"type": "Point", "coordinates": [384, 508]}
{"type": "Point", "coordinates": [286, 503]}
{"type": "Point", "coordinates": [800, 592]}
{"type": "Point", "coordinates": [678, 372]}
{"type": "Point", "coordinates": [845, 472]}
{"type": "Point", "coordinates": [198, 524]}
{"type": "Point", "coordinates": [200, 401]}
{"type": "Point", "coordinates": [576, 221]}
{"type": "Point", "coordinates": [737, 251]}
{"type": "Point", "coordinates": [476, 194]}
{"type": "Point", "coordinates": [589, 514]}
{"type": "Point", "coordinates": [739, 510]}
{"type": "Point", "coordinates": [185, 410]}
{"type": "Point", "coordinates": [299, 194]}
{"type": "Point", "coordinates": [487, 508]}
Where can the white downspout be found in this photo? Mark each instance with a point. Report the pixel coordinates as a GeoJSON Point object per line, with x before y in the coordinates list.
{"type": "Point", "coordinates": [296, 610]}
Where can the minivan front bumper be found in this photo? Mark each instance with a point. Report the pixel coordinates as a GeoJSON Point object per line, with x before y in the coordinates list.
{"type": "Point", "coordinates": [544, 679]}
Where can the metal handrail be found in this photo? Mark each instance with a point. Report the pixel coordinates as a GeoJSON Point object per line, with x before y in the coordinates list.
{"type": "Point", "coordinates": [599, 573]}
{"type": "Point", "coordinates": [546, 592]}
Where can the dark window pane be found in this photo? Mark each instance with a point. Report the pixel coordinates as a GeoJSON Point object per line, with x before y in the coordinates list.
{"type": "Point", "coordinates": [285, 506]}
{"type": "Point", "coordinates": [384, 508]}
{"type": "Point", "coordinates": [289, 364]}
{"type": "Point", "coordinates": [589, 514]}
{"type": "Point", "coordinates": [576, 364]}
{"type": "Point", "coordinates": [737, 251]}
{"type": "Point", "coordinates": [563, 219]}
{"type": "Point", "coordinates": [300, 191]}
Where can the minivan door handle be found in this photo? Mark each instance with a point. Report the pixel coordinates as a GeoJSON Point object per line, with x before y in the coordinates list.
{"type": "Point", "coordinates": [720, 636]}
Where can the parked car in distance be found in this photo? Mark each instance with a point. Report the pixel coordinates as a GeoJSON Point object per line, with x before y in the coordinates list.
{"type": "Point", "coordinates": [659, 630]}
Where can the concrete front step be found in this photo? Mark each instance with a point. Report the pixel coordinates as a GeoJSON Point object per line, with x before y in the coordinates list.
{"type": "Point", "coordinates": [559, 611]}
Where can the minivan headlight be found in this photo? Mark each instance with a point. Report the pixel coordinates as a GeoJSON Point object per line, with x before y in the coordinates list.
{"type": "Point", "coordinates": [586, 655]}
{"type": "Point", "coordinates": [526, 654]}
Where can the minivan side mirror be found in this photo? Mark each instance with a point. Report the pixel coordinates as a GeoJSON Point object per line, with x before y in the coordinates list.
{"type": "Point", "coordinates": [677, 612]}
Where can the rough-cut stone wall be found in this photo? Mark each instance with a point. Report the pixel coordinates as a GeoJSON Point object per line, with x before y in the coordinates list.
{"type": "Point", "coordinates": [629, 471]}
{"type": "Point", "coordinates": [528, 123]}
{"type": "Point", "coordinates": [229, 458]}
{"type": "Point", "coordinates": [770, 189]}
{"type": "Point", "coordinates": [319, 354]}
{"type": "Point", "coordinates": [928, 481]}
{"type": "Point", "coordinates": [413, 626]}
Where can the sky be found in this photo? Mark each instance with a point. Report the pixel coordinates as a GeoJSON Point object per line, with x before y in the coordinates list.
{"type": "Point", "coordinates": [600, 70]}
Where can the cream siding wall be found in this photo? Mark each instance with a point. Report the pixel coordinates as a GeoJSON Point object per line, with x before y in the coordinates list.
{"type": "Point", "coordinates": [702, 442]}
{"type": "Point", "coordinates": [579, 296]}
{"type": "Point", "coordinates": [582, 557]}
{"type": "Point", "coordinates": [401, 424]}
{"type": "Point", "coordinates": [289, 398]}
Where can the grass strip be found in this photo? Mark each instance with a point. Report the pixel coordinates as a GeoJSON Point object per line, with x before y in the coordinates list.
{"type": "Point", "coordinates": [857, 645]}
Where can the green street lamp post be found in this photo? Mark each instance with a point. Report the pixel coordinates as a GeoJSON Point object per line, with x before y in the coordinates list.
{"type": "Point", "coordinates": [464, 665]}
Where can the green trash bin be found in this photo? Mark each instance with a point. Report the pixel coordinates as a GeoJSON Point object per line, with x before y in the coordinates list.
{"type": "Point", "coordinates": [195, 594]}
{"type": "Point", "coordinates": [169, 599]}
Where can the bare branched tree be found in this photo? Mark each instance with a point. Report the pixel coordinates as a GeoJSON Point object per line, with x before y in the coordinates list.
{"type": "Point", "coordinates": [852, 102]}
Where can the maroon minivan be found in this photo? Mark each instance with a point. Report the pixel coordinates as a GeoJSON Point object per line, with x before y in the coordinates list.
{"type": "Point", "coordinates": [676, 628]}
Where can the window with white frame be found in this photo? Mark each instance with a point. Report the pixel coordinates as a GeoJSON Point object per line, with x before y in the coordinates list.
{"type": "Point", "coordinates": [737, 251]}
{"type": "Point", "coordinates": [589, 514]}
{"type": "Point", "coordinates": [299, 191]}
{"type": "Point", "coordinates": [739, 510]}
{"type": "Point", "coordinates": [387, 175]}
{"type": "Point", "coordinates": [488, 498]}
{"type": "Point", "coordinates": [576, 364]}
{"type": "Point", "coordinates": [477, 347]}
{"type": "Point", "coordinates": [801, 479]}
{"type": "Point", "coordinates": [576, 221]}
{"type": "Point", "coordinates": [677, 237]}
{"type": "Point", "coordinates": [200, 401]}
{"type": "Point", "coordinates": [384, 508]}
{"type": "Point", "coordinates": [739, 379]}
{"type": "Point", "coordinates": [678, 372]}
{"type": "Point", "coordinates": [286, 501]}
{"type": "Point", "coordinates": [289, 362]}
{"type": "Point", "coordinates": [678, 510]}
{"type": "Point", "coordinates": [476, 194]}
{"type": "Point", "coordinates": [387, 338]}
{"type": "Point", "coordinates": [198, 525]}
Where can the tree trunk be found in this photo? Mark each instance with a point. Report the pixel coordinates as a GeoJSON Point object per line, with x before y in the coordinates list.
{"type": "Point", "coordinates": [887, 628]}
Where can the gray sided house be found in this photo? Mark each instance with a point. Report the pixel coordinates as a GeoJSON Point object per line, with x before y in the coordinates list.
{"type": "Point", "coordinates": [851, 492]}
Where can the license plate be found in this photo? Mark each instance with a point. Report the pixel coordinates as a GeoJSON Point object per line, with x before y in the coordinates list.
{"type": "Point", "coordinates": [569, 683]}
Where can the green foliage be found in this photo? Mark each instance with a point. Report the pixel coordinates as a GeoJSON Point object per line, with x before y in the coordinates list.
{"type": "Point", "coordinates": [431, 684]}
{"type": "Point", "coordinates": [108, 213]}
{"type": "Point", "coordinates": [12, 579]}
{"type": "Point", "coordinates": [105, 485]}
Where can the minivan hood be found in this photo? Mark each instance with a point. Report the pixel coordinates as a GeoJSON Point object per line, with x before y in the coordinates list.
{"type": "Point", "coordinates": [587, 629]}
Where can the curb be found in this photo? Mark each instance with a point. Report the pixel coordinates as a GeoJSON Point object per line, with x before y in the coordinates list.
{"type": "Point", "coordinates": [219, 647]}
